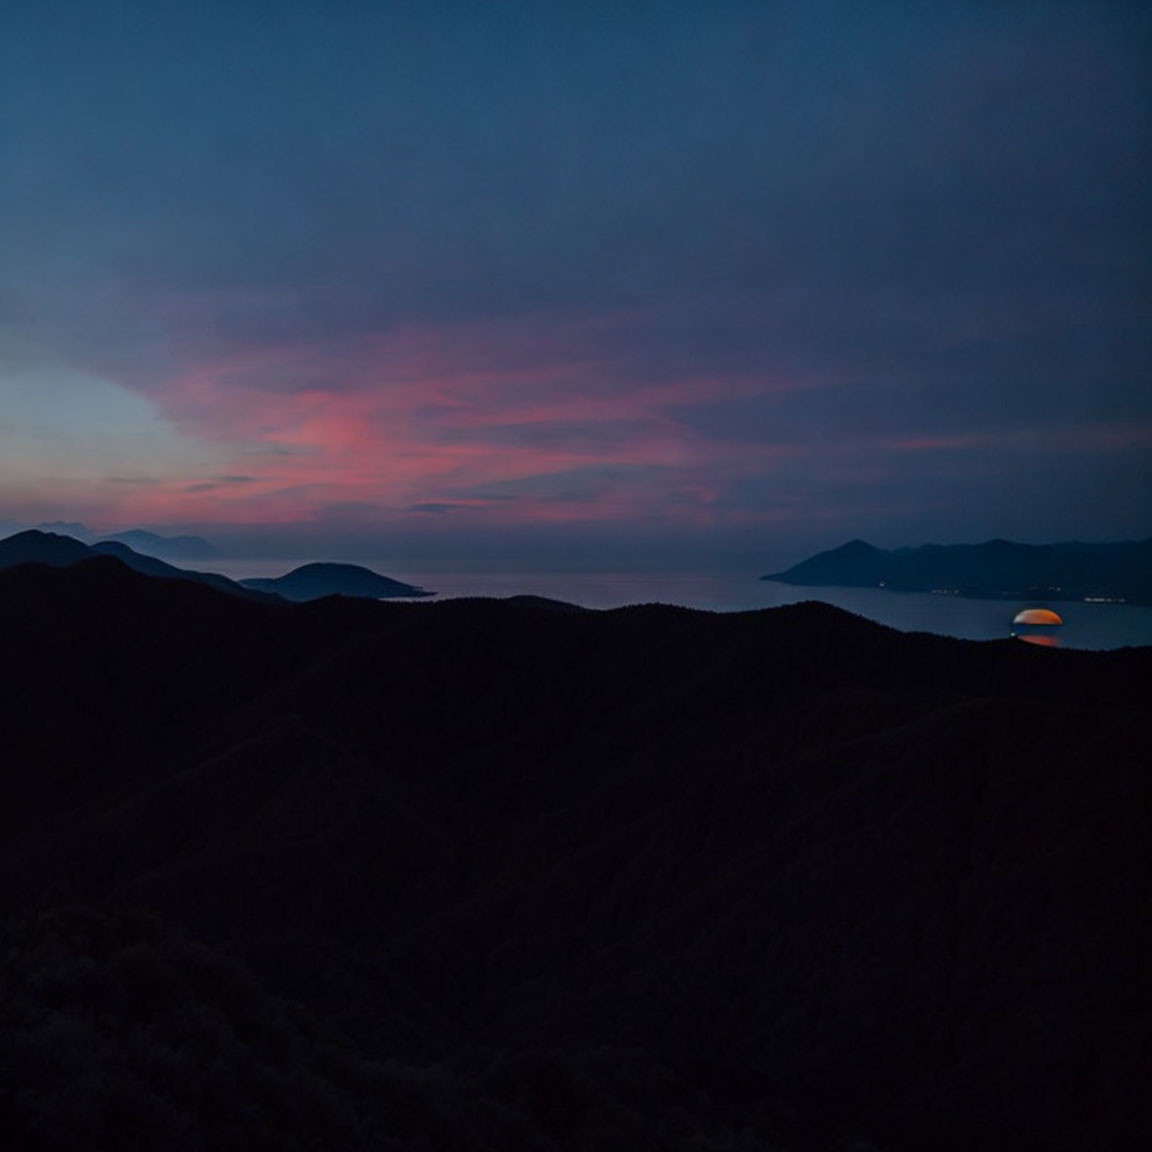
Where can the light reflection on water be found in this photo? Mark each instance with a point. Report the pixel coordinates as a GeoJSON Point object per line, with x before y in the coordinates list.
{"type": "Point", "coordinates": [1085, 625]}
{"type": "Point", "coordinates": [1041, 639]}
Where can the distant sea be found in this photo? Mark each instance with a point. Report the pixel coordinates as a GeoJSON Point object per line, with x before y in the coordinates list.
{"type": "Point", "coordinates": [1085, 625]}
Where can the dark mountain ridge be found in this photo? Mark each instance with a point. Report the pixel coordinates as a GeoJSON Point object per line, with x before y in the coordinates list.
{"type": "Point", "coordinates": [308, 582]}
{"type": "Point", "coordinates": [490, 874]}
{"type": "Point", "coordinates": [996, 568]}
{"type": "Point", "coordinates": [33, 546]}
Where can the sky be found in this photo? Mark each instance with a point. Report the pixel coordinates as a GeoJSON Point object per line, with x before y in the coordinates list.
{"type": "Point", "coordinates": [617, 285]}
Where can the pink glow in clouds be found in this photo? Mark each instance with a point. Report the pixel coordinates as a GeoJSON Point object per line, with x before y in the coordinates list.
{"type": "Point", "coordinates": [509, 421]}
{"type": "Point", "coordinates": [548, 422]}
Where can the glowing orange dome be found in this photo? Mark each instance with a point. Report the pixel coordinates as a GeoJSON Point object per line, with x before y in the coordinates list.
{"type": "Point", "coordinates": [1037, 616]}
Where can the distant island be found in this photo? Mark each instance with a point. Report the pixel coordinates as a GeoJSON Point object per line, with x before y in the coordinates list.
{"type": "Point", "coordinates": [314, 581]}
{"type": "Point", "coordinates": [1000, 569]}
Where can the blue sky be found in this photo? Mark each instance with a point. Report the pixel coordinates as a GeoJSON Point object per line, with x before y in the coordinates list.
{"type": "Point", "coordinates": [647, 284]}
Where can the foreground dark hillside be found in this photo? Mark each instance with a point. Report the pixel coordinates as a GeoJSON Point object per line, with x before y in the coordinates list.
{"type": "Point", "coordinates": [512, 876]}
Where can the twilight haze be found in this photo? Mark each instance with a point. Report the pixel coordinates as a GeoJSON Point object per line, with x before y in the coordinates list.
{"type": "Point", "coordinates": [618, 285]}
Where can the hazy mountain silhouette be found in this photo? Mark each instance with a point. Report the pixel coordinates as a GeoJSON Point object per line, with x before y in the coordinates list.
{"type": "Point", "coordinates": [35, 547]}
{"type": "Point", "coordinates": [998, 568]}
{"type": "Point", "coordinates": [308, 582]}
{"type": "Point", "coordinates": [495, 875]}
{"type": "Point", "coordinates": [165, 547]}
{"type": "Point", "coordinates": [313, 581]}
{"type": "Point", "coordinates": [68, 528]}
{"type": "Point", "coordinates": [140, 541]}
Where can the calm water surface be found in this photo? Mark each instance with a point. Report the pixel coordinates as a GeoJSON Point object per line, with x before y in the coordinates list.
{"type": "Point", "coordinates": [1085, 625]}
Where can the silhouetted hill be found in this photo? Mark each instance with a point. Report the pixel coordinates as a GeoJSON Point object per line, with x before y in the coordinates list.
{"type": "Point", "coordinates": [36, 547]}
{"type": "Point", "coordinates": [151, 566]}
{"type": "Point", "coordinates": [314, 581]}
{"type": "Point", "coordinates": [492, 875]}
{"type": "Point", "coordinates": [998, 568]}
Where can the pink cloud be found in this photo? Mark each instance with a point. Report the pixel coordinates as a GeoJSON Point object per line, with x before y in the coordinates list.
{"type": "Point", "coordinates": [439, 416]}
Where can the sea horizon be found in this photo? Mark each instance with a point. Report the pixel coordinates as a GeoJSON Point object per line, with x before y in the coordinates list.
{"type": "Point", "coordinates": [1087, 625]}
